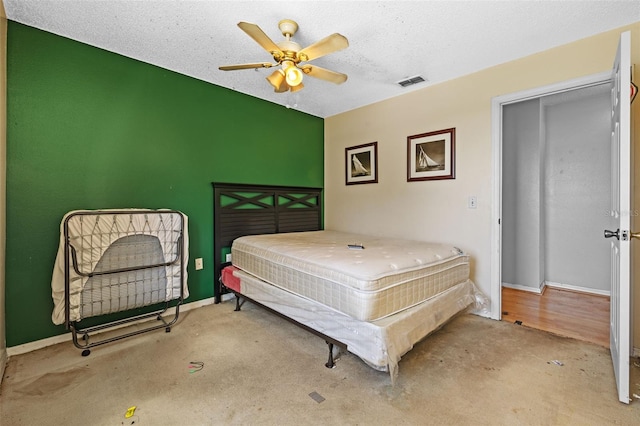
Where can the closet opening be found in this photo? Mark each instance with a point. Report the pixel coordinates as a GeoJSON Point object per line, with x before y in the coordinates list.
{"type": "Point", "coordinates": [555, 195]}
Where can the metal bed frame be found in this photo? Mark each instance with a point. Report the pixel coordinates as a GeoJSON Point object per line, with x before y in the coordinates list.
{"type": "Point", "coordinates": [132, 265]}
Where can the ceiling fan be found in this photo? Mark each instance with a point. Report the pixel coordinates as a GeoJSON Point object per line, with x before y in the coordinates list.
{"type": "Point", "coordinates": [290, 56]}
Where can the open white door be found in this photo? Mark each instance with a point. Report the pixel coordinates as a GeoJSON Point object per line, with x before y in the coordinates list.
{"type": "Point", "coordinates": [621, 277]}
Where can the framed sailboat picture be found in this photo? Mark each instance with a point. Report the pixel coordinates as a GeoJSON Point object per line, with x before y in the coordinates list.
{"type": "Point", "coordinates": [361, 164]}
{"type": "Point", "coordinates": [431, 156]}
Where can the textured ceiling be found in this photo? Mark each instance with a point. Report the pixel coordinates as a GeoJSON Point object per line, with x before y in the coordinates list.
{"type": "Point", "coordinates": [388, 40]}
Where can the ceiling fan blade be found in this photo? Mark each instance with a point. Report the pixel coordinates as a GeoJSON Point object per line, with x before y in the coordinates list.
{"type": "Point", "coordinates": [260, 37]}
{"type": "Point", "coordinates": [324, 74]}
{"type": "Point", "coordinates": [245, 66]}
{"type": "Point", "coordinates": [327, 45]}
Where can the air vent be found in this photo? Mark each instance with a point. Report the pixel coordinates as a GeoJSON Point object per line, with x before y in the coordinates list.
{"type": "Point", "coordinates": [411, 81]}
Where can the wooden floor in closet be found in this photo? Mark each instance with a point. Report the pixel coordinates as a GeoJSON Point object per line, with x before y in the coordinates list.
{"type": "Point", "coordinates": [567, 313]}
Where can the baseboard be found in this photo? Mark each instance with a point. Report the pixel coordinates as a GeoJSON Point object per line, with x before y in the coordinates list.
{"type": "Point", "coordinates": [577, 288]}
{"type": "Point", "coordinates": [559, 286]}
{"type": "Point", "coordinates": [538, 290]}
{"type": "Point", "coordinates": [3, 363]}
{"type": "Point", "coordinates": [66, 337]}
{"type": "Point", "coordinates": [227, 296]}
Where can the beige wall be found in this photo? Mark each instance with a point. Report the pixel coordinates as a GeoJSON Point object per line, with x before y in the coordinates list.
{"type": "Point", "coordinates": [3, 168]}
{"type": "Point", "coordinates": [437, 210]}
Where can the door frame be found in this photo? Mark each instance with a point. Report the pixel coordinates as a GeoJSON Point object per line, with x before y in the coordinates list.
{"type": "Point", "coordinates": [497, 104]}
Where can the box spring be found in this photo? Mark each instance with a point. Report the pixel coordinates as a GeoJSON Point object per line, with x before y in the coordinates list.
{"type": "Point", "coordinates": [381, 343]}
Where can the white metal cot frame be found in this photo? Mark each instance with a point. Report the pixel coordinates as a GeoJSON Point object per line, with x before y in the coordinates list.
{"type": "Point", "coordinates": [112, 261]}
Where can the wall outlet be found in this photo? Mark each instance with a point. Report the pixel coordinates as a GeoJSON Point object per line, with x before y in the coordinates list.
{"type": "Point", "coordinates": [199, 264]}
{"type": "Point", "coordinates": [473, 202]}
{"type": "Point", "coordinates": [228, 257]}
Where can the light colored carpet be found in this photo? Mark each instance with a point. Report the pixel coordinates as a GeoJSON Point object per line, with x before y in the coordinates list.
{"type": "Point", "coordinates": [260, 369]}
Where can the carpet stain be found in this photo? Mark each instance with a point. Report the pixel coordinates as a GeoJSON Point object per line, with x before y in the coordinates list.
{"type": "Point", "coordinates": [58, 382]}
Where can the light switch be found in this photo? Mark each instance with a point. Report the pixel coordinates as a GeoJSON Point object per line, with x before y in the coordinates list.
{"type": "Point", "coordinates": [473, 202]}
{"type": "Point", "coordinates": [199, 264]}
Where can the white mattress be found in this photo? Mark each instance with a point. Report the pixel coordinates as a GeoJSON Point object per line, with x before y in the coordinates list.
{"type": "Point", "coordinates": [380, 343]}
{"type": "Point", "coordinates": [385, 277]}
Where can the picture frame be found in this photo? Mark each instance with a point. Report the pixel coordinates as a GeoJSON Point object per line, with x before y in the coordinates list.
{"type": "Point", "coordinates": [361, 164]}
{"type": "Point", "coordinates": [431, 156]}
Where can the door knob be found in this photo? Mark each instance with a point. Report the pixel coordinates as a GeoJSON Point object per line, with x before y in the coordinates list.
{"type": "Point", "coordinates": [609, 234]}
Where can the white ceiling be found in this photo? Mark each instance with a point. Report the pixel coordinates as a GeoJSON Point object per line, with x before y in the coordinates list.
{"type": "Point", "coordinates": [388, 40]}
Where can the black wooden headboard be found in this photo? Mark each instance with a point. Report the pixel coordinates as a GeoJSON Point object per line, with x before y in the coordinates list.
{"type": "Point", "coordinates": [245, 209]}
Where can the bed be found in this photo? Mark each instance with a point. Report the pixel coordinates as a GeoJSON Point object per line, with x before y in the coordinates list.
{"type": "Point", "coordinates": [373, 296]}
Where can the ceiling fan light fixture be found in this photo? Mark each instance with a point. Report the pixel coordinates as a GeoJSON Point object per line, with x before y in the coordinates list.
{"type": "Point", "coordinates": [296, 88]}
{"type": "Point", "coordinates": [276, 79]}
{"type": "Point", "coordinates": [293, 75]}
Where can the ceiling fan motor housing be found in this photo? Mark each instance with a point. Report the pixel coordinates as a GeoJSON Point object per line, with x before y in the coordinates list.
{"type": "Point", "coordinates": [289, 48]}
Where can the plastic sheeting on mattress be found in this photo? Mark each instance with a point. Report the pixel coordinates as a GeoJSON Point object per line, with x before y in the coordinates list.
{"type": "Point", "coordinates": [380, 343]}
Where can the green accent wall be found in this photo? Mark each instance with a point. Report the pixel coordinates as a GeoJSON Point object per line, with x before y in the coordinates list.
{"type": "Point", "coordinates": [90, 129]}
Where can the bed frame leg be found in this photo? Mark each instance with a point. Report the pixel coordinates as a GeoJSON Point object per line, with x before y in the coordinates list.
{"type": "Point", "coordinates": [330, 363]}
{"type": "Point", "coordinates": [237, 303]}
